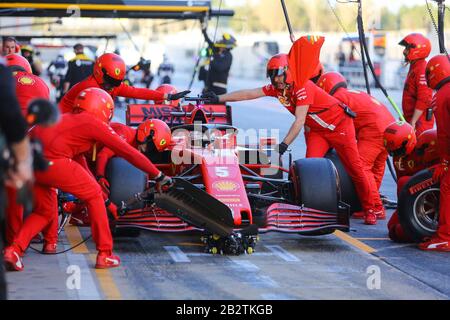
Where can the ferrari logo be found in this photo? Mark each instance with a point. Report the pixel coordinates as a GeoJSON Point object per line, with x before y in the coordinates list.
{"type": "Point", "coordinates": [117, 71]}
{"type": "Point", "coordinates": [26, 81]}
{"type": "Point", "coordinates": [162, 142]}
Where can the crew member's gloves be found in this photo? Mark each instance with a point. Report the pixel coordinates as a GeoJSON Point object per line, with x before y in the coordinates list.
{"type": "Point", "coordinates": [104, 184]}
{"type": "Point", "coordinates": [112, 210]}
{"type": "Point", "coordinates": [163, 182]}
{"type": "Point", "coordinates": [176, 96]}
{"type": "Point", "coordinates": [441, 169]}
{"type": "Point", "coordinates": [210, 97]}
{"type": "Point", "coordinates": [281, 148]}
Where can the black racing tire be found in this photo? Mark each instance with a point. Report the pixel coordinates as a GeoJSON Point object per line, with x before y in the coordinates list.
{"type": "Point", "coordinates": [347, 188]}
{"type": "Point", "coordinates": [124, 179]}
{"type": "Point", "coordinates": [260, 217]}
{"type": "Point", "coordinates": [418, 206]}
{"type": "Point", "coordinates": [315, 184]}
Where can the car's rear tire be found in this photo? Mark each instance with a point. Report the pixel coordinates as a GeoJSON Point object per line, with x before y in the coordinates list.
{"type": "Point", "coordinates": [124, 179]}
{"type": "Point", "coordinates": [347, 188]}
{"type": "Point", "coordinates": [315, 184]}
{"type": "Point", "coordinates": [418, 207]}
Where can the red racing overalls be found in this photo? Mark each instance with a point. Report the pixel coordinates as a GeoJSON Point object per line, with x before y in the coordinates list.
{"type": "Point", "coordinates": [328, 127]}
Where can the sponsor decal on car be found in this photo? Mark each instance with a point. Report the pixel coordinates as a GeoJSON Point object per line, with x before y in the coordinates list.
{"type": "Point", "coordinates": [225, 186]}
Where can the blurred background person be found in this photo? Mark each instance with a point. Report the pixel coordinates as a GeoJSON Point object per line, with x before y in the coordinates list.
{"type": "Point", "coordinates": [9, 46]}
{"type": "Point", "coordinates": [79, 68]}
{"type": "Point", "coordinates": [56, 71]}
{"type": "Point", "coordinates": [165, 71]}
{"type": "Point", "coordinates": [29, 53]}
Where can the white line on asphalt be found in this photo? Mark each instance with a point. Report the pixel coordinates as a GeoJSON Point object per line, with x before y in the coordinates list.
{"type": "Point", "coordinates": [177, 254]}
{"type": "Point", "coordinates": [283, 254]}
{"type": "Point", "coordinates": [245, 265]}
{"type": "Point", "coordinates": [251, 274]}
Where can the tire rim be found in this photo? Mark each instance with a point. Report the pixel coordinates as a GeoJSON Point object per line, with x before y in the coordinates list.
{"type": "Point", "coordinates": [426, 209]}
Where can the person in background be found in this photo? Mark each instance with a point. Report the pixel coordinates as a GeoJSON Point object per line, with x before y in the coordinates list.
{"type": "Point", "coordinates": [10, 46]}
{"type": "Point", "coordinates": [216, 77]}
{"type": "Point", "coordinates": [165, 71]}
{"type": "Point", "coordinates": [29, 54]}
{"type": "Point", "coordinates": [79, 68]}
{"type": "Point", "coordinates": [56, 71]}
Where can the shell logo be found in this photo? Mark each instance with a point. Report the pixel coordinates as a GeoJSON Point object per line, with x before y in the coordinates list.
{"type": "Point", "coordinates": [225, 186]}
{"type": "Point", "coordinates": [26, 81]}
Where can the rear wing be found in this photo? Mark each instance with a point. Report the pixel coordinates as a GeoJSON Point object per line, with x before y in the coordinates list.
{"type": "Point", "coordinates": [138, 113]}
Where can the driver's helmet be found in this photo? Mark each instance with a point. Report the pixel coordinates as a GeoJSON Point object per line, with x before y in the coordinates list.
{"type": "Point", "coordinates": [154, 132]}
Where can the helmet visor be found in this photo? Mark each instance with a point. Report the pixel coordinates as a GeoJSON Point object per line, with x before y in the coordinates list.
{"type": "Point", "coordinates": [272, 73]}
{"type": "Point", "coordinates": [400, 151]}
{"type": "Point", "coordinates": [110, 80]}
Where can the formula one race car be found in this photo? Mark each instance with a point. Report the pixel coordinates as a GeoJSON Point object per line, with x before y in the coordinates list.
{"type": "Point", "coordinates": [230, 192]}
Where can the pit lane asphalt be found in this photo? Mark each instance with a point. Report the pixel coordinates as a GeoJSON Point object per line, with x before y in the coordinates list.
{"type": "Point", "coordinates": [284, 266]}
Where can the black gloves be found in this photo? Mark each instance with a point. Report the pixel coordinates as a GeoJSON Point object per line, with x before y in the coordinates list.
{"type": "Point", "coordinates": [281, 148]}
{"type": "Point", "coordinates": [163, 182]}
{"type": "Point", "coordinates": [210, 97]}
{"type": "Point", "coordinates": [176, 96]}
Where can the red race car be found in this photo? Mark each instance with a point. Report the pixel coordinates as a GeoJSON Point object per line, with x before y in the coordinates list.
{"type": "Point", "coordinates": [228, 191]}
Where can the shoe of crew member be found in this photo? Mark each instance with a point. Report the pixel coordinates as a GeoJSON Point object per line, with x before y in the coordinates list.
{"type": "Point", "coordinates": [381, 214]}
{"type": "Point", "coordinates": [370, 217]}
{"type": "Point", "coordinates": [435, 244]}
{"type": "Point", "coordinates": [106, 259]}
{"type": "Point", "coordinates": [12, 257]}
{"type": "Point", "coordinates": [49, 247]}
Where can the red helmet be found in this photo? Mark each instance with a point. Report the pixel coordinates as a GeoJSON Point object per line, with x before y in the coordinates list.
{"type": "Point", "coordinates": [331, 81]}
{"type": "Point", "coordinates": [97, 102]}
{"type": "Point", "coordinates": [18, 63]}
{"type": "Point", "coordinates": [419, 46]}
{"type": "Point", "coordinates": [154, 130]}
{"type": "Point", "coordinates": [109, 68]}
{"type": "Point", "coordinates": [437, 71]}
{"type": "Point", "coordinates": [399, 138]}
{"type": "Point", "coordinates": [277, 66]}
{"type": "Point", "coordinates": [167, 88]}
{"type": "Point", "coordinates": [427, 146]}
{"type": "Point", "coordinates": [318, 71]}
